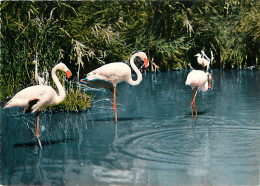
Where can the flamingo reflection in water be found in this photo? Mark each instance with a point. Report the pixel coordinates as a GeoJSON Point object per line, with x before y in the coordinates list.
{"type": "Point", "coordinates": [117, 72]}
{"type": "Point", "coordinates": [35, 97]}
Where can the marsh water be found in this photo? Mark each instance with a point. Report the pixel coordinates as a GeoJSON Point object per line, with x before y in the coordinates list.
{"type": "Point", "coordinates": [155, 141]}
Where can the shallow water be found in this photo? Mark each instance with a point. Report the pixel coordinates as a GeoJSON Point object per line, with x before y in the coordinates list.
{"type": "Point", "coordinates": [155, 142]}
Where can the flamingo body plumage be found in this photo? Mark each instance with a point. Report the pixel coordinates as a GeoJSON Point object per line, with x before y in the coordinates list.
{"type": "Point", "coordinates": [44, 93]}
{"type": "Point", "coordinates": [107, 73]}
{"type": "Point", "coordinates": [118, 72]}
{"type": "Point", "coordinates": [198, 78]}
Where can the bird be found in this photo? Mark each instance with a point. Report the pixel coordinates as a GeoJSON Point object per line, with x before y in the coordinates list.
{"type": "Point", "coordinates": [37, 96]}
{"type": "Point", "coordinates": [198, 79]}
{"type": "Point", "coordinates": [117, 72]}
{"type": "Point", "coordinates": [204, 62]}
{"type": "Point", "coordinates": [40, 80]}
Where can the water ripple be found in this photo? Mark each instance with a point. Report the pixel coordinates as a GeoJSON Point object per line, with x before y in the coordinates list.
{"type": "Point", "coordinates": [222, 143]}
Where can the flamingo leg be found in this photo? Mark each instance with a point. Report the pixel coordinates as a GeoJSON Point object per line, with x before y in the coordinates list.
{"type": "Point", "coordinates": [196, 108]}
{"type": "Point", "coordinates": [193, 101]}
{"type": "Point", "coordinates": [114, 104]}
{"type": "Point", "coordinates": [37, 130]}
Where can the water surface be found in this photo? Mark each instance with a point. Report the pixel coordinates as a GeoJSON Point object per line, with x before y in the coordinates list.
{"type": "Point", "coordinates": [155, 142]}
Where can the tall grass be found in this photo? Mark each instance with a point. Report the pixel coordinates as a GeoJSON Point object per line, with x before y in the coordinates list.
{"type": "Point", "coordinates": [170, 32]}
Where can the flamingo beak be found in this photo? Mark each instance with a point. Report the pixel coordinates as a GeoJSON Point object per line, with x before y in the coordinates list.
{"type": "Point", "coordinates": [146, 62]}
{"type": "Point", "coordinates": [68, 73]}
{"type": "Point", "coordinates": [209, 85]}
{"type": "Point", "coordinates": [83, 80]}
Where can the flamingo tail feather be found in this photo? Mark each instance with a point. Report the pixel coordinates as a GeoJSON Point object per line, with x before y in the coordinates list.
{"type": "Point", "coordinates": [31, 102]}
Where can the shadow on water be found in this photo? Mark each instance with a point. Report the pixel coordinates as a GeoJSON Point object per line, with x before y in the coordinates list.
{"type": "Point", "coordinates": [44, 143]}
{"type": "Point", "coordinates": [194, 113]}
{"type": "Point", "coordinates": [155, 141]}
{"type": "Point", "coordinates": [119, 119]}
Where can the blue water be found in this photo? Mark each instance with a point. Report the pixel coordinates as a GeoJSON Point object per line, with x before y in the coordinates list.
{"type": "Point", "coordinates": [155, 142]}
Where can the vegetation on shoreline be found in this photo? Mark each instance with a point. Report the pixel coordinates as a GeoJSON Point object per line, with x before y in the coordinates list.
{"type": "Point", "coordinates": [75, 101]}
{"type": "Point", "coordinates": [87, 34]}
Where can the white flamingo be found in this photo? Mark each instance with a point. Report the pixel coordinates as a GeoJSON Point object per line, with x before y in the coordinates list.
{"type": "Point", "coordinates": [34, 97]}
{"type": "Point", "coordinates": [204, 60]}
{"type": "Point", "coordinates": [117, 72]}
{"type": "Point", "coordinates": [198, 79]}
{"type": "Point", "coordinates": [40, 80]}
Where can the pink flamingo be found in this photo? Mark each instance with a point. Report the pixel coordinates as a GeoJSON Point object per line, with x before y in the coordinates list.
{"type": "Point", "coordinates": [118, 72]}
{"type": "Point", "coordinates": [198, 79]}
{"type": "Point", "coordinates": [35, 97]}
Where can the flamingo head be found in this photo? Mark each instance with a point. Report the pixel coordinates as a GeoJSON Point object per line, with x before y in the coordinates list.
{"type": "Point", "coordinates": [198, 55]}
{"type": "Point", "coordinates": [209, 80]}
{"type": "Point", "coordinates": [144, 57]}
{"type": "Point", "coordinates": [64, 68]}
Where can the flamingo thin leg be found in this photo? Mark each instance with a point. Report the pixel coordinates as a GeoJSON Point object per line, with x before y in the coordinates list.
{"type": "Point", "coordinates": [114, 104]}
{"type": "Point", "coordinates": [36, 130]}
{"type": "Point", "coordinates": [193, 101]}
{"type": "Point", "coordinates": [196, 108]}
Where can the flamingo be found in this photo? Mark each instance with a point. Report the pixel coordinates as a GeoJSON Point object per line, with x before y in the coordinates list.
{"type": "Point", "coordinates": [198, 79]}
{"type": "Point", "coordinates": [38, 79]}
{"type": "Point", "coordinates": [35, 97]}
{"type": "Point", "coordinates": [117, 72]}
{"type": "Point", "coordinates": [204, 60]}
{"type": "Point", "coordinates": [201, 60]}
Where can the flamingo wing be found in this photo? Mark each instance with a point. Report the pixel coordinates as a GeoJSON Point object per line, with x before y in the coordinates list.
{"type": "Point", "coordinates": [31, 102]}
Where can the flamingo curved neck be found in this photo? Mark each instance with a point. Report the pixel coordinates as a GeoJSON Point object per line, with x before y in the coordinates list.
{"type": "Point", "coordinates": [138, 73]}
{"type": "Point", "coordinates": [61, 89]}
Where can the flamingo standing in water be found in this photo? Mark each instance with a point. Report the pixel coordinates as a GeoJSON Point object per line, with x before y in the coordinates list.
{"type": "Point", "coordinates": [117, 72]}
{"type": "Point", "coordinates": [34, 97]}
{"type": "Point", "coordinates": [198, 79]}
